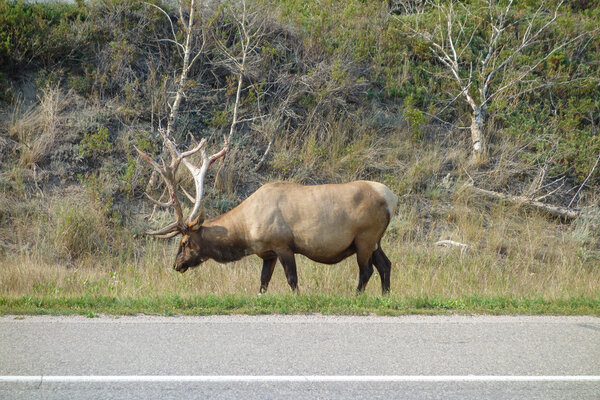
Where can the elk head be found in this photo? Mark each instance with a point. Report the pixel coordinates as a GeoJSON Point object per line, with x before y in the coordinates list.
{"type": "Point", "coordinates": [188, 254]}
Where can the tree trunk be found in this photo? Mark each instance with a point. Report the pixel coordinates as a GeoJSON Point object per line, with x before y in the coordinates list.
{"type": "Point", "coordinates": [477, 124]}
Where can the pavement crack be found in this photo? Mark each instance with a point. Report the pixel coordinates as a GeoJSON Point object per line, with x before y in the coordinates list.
{"type": "Point", "coordinates": [588, 326]}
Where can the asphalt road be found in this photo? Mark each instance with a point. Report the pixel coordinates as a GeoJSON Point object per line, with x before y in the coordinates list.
{"type": "Point", "coordinates": [307, 357]}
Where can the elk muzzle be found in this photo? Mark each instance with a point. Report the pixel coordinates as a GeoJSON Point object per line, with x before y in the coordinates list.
{"type": "Point", "coordinates": [180, 268]}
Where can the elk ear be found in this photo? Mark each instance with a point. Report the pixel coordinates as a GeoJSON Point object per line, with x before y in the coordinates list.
{"type": "Point", "coordinates": [197, 222]}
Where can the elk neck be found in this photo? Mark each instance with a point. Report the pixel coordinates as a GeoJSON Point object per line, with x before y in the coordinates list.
{"type": "Point", "coordinates": [222, 240]}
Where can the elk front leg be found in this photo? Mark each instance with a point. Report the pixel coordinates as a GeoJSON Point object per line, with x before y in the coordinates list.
{"type": "Point", "coordinates": [365, 265]}
{"type": "Point", "coordinates": [288, 261]}
{"type": "Point", "coordinates": [267, 273]}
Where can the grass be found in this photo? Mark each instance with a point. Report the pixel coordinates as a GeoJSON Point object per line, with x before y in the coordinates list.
{"type": "Point", "coordinates": [36, 128]}
{"type": "Point", "coordinates": [69, 254]}
{"type": "Point", "coordinates": [391, 305]}
{"type": "Point", "coordinates": [72, 209]}
{"type": "Point", "coordinates": [502, 273]}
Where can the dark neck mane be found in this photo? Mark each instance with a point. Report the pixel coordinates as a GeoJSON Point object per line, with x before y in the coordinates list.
{"type": "Point", "coordinates": [222, 245]}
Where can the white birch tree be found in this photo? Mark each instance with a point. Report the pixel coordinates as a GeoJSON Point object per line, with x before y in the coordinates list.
{"type": "Point", "coordinates": [487, 53]}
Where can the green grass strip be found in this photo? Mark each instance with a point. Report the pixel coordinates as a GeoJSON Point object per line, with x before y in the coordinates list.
{"type": "Point", "coordinates": [293, 304]}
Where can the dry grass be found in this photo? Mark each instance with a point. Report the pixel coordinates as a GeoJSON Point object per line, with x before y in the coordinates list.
{"type": "Point", "coordinates": [512, 255]}
{"type": "Point", "coordinates": [35, 129]}
{"type": "Point", "coordinates": [74, 229]}
{"type": "Point", "coordinates": [69, 245]}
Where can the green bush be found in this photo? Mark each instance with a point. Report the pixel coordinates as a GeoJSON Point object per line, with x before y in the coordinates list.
{"type": "Point", "coordinates": [94, 143]}
{"type": "Point", "coordinates": [35, 32]}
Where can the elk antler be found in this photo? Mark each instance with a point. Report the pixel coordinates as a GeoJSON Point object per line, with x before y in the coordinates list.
{"type": "Point", "coordinates": [200, 173]}
{"type": "Point", "coordinates": [167, 172]}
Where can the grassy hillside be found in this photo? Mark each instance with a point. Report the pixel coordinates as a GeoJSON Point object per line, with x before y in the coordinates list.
{"type": "Point", "coordinates": [334, 91]}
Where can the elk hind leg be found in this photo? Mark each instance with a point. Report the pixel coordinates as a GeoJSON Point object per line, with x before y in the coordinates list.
{"type": "Point", "coordinates": [384, 267]}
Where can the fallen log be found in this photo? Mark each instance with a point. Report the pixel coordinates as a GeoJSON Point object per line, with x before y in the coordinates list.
{"type": "Point", "coordinates": [557, 211]}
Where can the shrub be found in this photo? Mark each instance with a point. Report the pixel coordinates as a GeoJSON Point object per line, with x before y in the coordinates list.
{"type": "Point", "coordinates": [36, 33]}
{"type": "Point", "coordinates": [93, 143]}
{"type": "Point", "coordinates": [79, 230]}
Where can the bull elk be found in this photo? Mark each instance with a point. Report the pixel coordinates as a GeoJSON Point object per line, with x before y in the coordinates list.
{"type": "Point", "coordinates": [325, 223]}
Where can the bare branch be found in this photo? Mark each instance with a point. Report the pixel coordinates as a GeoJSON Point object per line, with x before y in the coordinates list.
{"type": "Point", "coordinates": [524, 44]}
{"type": "Point", "coordinates": [172, 27]}
{"type": "Point", "coordinates": [584, 182]}
{"type": "Point", "coordinates": [542, 86]}
{"type": "Point", "coordinates": [444, 122]}
{"type": "Point", "coordinates": [248, 43]}
{"type": "Point", "coordinates": [449, 22]}
{"type": "Point", "coordinates": [533, 67]}
{"type": "Point", "coordinates": [179, 45]}
{"type": "Point", "coordinates": [550, 193]}
{"type": "Point", "coordinates": [252, 119]}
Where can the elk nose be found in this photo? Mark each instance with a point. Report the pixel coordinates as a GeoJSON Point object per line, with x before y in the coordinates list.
{"type": "Point", "coordinates": [180, 268]}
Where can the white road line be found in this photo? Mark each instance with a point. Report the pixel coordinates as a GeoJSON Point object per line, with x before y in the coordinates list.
{"type": "Point", "coordinates": [294, 378]}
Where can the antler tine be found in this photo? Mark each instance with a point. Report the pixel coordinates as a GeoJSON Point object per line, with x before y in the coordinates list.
{"type": "Point", "coordinates": [189, 196]}
{"type": "Point", "coordinates": [148, 159]}
{"type": "Point", "coordinates": [200, 173]}
{"type": "Point", "coordinates": [169, 144]}
{"type": "Point", "coordinates": [221, 153]}
{"type": "Point", "coordinates": [168, 171]}
{"type": "Point", "coordinates": [159, 203]}
{"type": "Point", "coordinates": [176, 156]}
{"type": "Point", "coordinates": [168, 235]}
{"type": "Point", "coordinates": [161, 172]}
{"type": "Point", "coordinates": [168, 231]}
{"type": "Point", "coordinates": [198, 147]}
{"type": "Point", "coordinates": [168, 174]}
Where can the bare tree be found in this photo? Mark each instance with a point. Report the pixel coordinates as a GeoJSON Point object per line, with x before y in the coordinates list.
{"type": "Point", "coordinates": [483, 63]}
{"type": "Point", "coordinates": [250, 30]}
{"type": "Point", "coordinates": [190, 40]}
{"type": "Point", "coordinates": [185, 48]}
{"type": "Point", "coordinates": [189, 54]}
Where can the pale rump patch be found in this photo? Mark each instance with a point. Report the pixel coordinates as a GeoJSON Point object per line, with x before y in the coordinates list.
{"type": "Point", "coordinates": [390, 198]}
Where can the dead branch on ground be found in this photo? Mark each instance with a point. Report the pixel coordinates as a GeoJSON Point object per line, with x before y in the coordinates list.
{"type": "Point", "coordinates": [557, 211]}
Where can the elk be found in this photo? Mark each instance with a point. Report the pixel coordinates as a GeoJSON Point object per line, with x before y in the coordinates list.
{"type": "Point", "coordinates": [326, 223]}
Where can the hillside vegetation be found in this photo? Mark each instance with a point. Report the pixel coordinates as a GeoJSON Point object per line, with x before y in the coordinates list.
{"type": "Point", "coordinates": [332, 91]}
